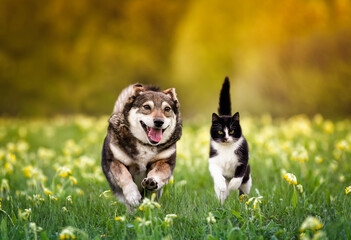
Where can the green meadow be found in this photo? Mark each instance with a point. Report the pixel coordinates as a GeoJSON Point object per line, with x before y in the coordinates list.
{"type": "Point", "coordinates": [52, 185]}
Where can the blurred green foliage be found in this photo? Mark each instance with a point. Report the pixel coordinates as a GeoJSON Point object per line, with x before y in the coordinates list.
{"type": "Point", "coordinates": [283, 57]}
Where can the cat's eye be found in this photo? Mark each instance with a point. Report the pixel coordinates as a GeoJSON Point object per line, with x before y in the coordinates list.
{"type": "Point", "coordinates": [231, 132]}
{"type": "Point", "coordinates": [147, 107]}
{"type": "Point", "coordinates": [220, 132]}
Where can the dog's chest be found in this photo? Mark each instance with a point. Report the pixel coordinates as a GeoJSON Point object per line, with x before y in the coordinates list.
{"type": "Point", "coordinates": [146, 155]}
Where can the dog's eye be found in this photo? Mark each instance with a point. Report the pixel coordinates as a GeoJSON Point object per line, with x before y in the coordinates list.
{"type": "Point", "coordinates": [167, 109]}
{"type": "Point", "coordinates": [231, 132]}
{"type": "Point", "coordinates": [220, 132]}
{"type": "Point", "coordinates": [147, 107]}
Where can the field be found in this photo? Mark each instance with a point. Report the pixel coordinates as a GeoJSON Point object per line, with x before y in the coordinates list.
{"type": "Point", "coordinates": [52, 185]}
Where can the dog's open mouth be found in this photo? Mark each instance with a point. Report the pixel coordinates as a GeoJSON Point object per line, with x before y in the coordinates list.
{"type": "Point", "coordinates": [154, 134]}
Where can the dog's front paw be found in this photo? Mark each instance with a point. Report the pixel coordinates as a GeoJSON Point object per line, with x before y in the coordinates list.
{"type": "Point", "coordinates": [149, 184]}
{"type": "Point", "coordinates": [133, 197]}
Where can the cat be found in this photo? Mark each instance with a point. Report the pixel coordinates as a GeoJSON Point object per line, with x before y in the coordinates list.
{"type": "Point", "coordinates": [229, 151]}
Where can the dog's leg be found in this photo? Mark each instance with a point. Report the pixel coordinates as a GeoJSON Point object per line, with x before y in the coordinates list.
{"type": "Point", "coordinates": [125, 181]}
{"type": "Point", "coordinates": [160, 173]}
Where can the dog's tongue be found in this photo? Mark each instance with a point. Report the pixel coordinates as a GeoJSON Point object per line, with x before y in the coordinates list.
{"type": "Point", "coordinates": [155, 134]}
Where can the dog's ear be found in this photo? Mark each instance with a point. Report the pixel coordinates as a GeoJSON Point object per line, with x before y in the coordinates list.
{"type": "Point", "coordinates": [171, 92]}
{"type": "Point", "coordinates": [138, 89]}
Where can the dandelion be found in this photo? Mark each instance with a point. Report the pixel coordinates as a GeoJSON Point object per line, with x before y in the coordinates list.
{"type": "Point", "coordinates": [291, 178]}
{"type": "Point", "coordinates": [120, 218]}
{"type": "Point", "coordinates": [64, 209]}
{"type": "Point", "coordinates": [311, 223]}
{"type": "Point", "coordinates": [348, 190]}
{"type": "Point", "coordinates": [211, 219]}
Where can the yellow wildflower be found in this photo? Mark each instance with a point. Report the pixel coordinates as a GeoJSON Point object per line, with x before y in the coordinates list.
{"type": "Point", "coordinates": [318, 159]}
{"type": "Point", "coordinates": [328, 126]}
{"type": "Point", "coordinates": [342, 145]}
{"type": "Point", "coordinates": [291, 178]}
{"type": "Point", "coordinates": [27, 171]}
{"type": "Point", "coordinates": [120, 218]}
{"type": "Point", "coordinates": [311, 223]}
{"type": "Point", "coordinates": [73, 180]}
{"type": "Point", "coordinates": [63, 171]}
{"type": "Point", "coordinates": [348, 190]}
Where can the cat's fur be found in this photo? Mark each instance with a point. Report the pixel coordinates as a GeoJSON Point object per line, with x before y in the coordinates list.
{"type": "Point", "coordinates": [229, 152]}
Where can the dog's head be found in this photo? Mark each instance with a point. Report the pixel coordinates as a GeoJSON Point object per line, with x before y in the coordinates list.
{"type": "Point", "coordinates": [153, 114]}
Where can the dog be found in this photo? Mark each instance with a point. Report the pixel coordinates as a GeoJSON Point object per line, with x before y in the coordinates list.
{"type": "Point", "coordinates": [139, 151]}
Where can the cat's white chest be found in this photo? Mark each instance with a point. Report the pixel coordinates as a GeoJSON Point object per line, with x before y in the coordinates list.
{"type": "Point", "coordinates": [226, 160]}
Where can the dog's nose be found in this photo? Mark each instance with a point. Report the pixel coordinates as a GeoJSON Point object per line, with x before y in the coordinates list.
{"type": "Point", "coordinates": [158, 122]}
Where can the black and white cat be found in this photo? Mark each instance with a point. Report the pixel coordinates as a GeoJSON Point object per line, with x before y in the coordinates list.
{"type": "Point", "coordinates": [229, 152]}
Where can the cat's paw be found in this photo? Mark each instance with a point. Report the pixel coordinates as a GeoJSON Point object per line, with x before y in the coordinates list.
{"type": "Point", "coordinates": [149, 184]}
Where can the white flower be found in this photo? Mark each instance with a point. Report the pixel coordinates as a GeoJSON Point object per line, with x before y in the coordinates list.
{"type": "Point", "coordinates": [211, 219]}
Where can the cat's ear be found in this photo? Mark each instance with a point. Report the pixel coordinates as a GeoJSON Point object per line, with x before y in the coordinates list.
{"type": "Point", "coordinates": [215, 117]}
{"type": "Point", "coordinates": [236, 116]}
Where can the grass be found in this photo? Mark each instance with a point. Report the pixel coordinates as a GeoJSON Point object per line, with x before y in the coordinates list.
{"type": "Point", "coordinates": [52, 186]}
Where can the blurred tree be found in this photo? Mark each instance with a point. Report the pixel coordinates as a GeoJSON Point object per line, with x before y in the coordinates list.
{"type": "Point", "coordinates": [283, 57]}
{"type": "Point", "coordinates": [63, 57]}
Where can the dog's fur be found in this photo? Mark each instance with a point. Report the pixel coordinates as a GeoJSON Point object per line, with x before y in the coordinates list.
{"type": "Point", "coordinates": [136, 160]}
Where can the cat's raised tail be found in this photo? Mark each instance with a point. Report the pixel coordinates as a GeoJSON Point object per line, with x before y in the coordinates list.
{"type": "Point", "coordinates": [224, 99]}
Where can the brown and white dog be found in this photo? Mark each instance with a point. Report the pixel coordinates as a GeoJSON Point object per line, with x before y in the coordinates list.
{"type": "Point", "coordinates": [139, 151]}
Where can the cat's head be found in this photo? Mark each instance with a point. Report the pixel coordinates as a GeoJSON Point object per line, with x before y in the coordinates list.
{"type": "Point", "coordinates": [225, 129]}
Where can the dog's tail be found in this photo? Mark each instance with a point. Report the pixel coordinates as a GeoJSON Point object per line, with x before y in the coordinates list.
{"type": "Point", "coordinates": [224, 99]}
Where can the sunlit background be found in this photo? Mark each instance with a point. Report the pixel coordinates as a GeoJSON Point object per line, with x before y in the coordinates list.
{"type": "Point", "coordinates": [283, 57]}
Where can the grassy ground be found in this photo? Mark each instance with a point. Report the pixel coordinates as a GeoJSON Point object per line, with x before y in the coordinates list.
{"type": "Point", "coordinates": [52, 186]}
